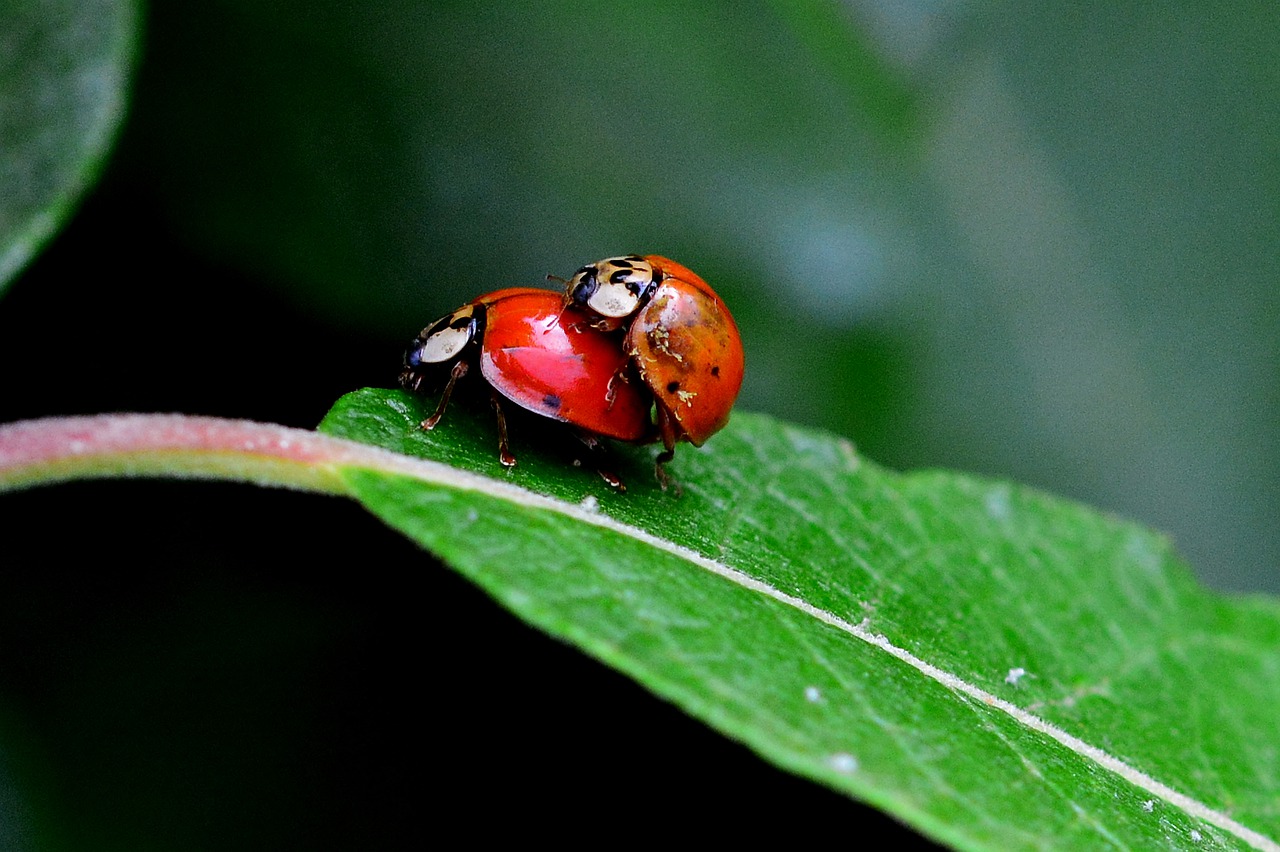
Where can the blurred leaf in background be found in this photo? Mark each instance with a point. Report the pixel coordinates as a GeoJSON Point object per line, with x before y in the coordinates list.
{"type": "Point", "coordinates": [64, 67]}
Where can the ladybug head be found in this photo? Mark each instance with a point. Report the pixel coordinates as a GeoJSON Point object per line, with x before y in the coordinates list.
{"type": "Point", "coordinates": [443, 342]}
{"type": "Point", "coordinates": [614, 287]}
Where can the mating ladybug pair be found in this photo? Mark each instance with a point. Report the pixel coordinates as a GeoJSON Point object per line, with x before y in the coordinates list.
{"type": "Point", "coordinates": [637, 349]}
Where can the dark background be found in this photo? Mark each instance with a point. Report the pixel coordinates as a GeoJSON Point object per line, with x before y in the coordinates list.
{"type": "Point", "coordinates": [1041, 247]}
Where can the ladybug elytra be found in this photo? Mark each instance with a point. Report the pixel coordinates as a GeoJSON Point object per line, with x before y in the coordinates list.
{"type": "Point", "coordinates": [538, 354]}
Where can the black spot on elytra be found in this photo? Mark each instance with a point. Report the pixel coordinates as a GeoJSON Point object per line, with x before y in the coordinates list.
{"type": "Point", "coordinates": [715, 371]}
{"type": "Point", "coordinates": [552, 402]}
{"type": "Point", "coordinates": [672, 387]}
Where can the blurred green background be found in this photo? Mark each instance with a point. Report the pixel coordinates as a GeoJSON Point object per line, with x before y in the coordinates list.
{"type": "Point", "coordinates": [1040, 243]}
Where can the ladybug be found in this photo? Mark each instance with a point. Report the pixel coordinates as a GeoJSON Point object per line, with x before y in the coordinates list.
{"type": "Point", "coordinates": [533, 351]}
{"type": "Point", "coordinates": [679, 337]}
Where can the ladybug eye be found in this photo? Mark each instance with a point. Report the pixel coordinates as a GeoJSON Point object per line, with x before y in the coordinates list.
{"type": "Point", "coordinates": [583, 285]}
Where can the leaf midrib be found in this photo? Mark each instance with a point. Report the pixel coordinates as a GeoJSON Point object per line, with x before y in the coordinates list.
{"type": "Point", "coordinates": [443, 475]}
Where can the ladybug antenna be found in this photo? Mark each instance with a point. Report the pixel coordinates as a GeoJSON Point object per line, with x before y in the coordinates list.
{"type": "Point", "coordinates": [566, 301]}
{"type": "Point", "coordinates": [564, 306]}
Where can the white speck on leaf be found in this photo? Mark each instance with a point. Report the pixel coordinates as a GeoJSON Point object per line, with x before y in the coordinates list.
{"type": "Point", "coordinates": [590, 503]}
{"type": "Point", "coordinates": [850, 454]}
{"type": "Point", "coordinates": [1196, 836]}
{"type": "Point", "coordinates": [1140, 549]}
{"type": "Point", "coordinates": [472, 516]}
{"type": "Point", "coordinates": [1014, 676]}
{"type": "Point", "coordinates": [845, 763]}
{"type": "Point", "coordinates": [998, 502]}
{"type": "Point", "coordinates": [812, 694]}
{"type": "Point", "coordinates": [1149, 805]}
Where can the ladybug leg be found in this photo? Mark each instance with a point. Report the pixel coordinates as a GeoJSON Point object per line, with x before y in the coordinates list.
{"type": "Point", "coordinates": [611, 390]}
{"type": "Point", "coordinates": [459, 370]}
{"type": "Point", "coordinates": [596, 448]}
{"type": "Point", "coordinates": [504, 451]}
{"type": "Point", "coordinates": [667, 430]}
{"type": "Point", "coordinates": [612, 480]}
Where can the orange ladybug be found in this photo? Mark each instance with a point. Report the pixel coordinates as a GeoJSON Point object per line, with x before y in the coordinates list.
{"type": "Point", "coordinates": [534, 351]}
{"type": "Point", "coordinates": [679, 337]}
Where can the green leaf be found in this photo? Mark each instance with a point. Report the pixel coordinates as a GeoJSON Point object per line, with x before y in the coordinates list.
{"type": "Point", "coordinates": [64, 67]}
{"type": "Point", "coordinates": [997, 667]}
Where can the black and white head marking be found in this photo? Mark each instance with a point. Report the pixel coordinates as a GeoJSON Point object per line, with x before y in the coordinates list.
{"type": "Point", "coordinates": [614, 287]}
{"type": "Point", "coordinates": [445, 339]}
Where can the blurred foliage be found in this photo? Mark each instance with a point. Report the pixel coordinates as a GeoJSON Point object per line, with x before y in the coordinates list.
{"type": "Point", "coordinates": [1036, 245]}
{"type": "Point", "coordinates": [63, 84]}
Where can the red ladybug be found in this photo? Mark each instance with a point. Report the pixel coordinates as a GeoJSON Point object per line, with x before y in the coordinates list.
{"type": "Point", "coordinates": [680, 338]}
{"type": "Point", "coordinates": [542, 356]}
